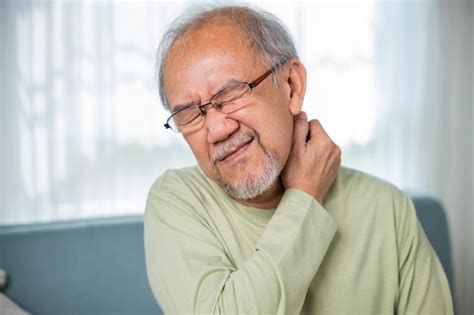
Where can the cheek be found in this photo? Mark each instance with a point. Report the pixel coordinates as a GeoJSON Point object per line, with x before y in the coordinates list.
{"type": "Point", "coordinates": [281, 136]}
{"type": "Point", "coordinates": [275, 127]}
{"type": "Point", "coordinates": [200, 147]}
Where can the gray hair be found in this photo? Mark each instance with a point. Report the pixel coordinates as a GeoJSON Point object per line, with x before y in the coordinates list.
{"type": "Point", "coordinates": [266, 34]}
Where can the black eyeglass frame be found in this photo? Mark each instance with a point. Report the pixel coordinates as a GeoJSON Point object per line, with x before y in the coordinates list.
{"type": "Point", "coordinates": [252, 85]}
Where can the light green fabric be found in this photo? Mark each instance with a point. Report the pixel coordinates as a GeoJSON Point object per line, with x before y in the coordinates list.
{"type": "Point", "coordinates": [362, 252]}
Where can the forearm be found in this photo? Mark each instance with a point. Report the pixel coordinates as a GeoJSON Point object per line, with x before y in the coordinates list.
{"type": "Point", "coordinates": [272, 280]}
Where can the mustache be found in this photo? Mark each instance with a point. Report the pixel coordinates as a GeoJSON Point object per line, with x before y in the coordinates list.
{"type": "Point", "coordinates": [228, 146]}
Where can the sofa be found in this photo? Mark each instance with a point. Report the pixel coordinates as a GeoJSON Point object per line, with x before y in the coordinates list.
{"type": "Point", "coordinates": [97, 266]}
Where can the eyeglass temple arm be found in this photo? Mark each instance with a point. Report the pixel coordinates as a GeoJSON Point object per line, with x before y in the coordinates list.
{"type": "Point", "coordinates": [259, 80]}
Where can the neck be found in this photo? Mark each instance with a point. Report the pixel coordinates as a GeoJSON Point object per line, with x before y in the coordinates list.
{"type": "Point", "coordinates": [268, 199]}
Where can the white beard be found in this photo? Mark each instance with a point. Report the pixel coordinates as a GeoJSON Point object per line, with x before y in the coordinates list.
{"type": "Point", "coordinates": [254, 184]}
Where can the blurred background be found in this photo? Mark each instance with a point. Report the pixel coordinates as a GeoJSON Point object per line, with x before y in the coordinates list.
{"type": "Point", "coordinates": [81, 125]}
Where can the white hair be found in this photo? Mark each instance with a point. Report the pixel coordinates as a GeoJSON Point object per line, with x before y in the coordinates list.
{"type": "Point", "coordinates": [266, 34]}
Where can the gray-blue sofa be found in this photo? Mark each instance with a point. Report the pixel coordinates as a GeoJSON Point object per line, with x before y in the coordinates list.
{"type": "Point", "coordinates": [97, 266]}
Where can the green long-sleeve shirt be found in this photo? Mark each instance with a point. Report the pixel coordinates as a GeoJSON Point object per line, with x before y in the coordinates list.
{"type": "Point", "coordinates": [362, 252]}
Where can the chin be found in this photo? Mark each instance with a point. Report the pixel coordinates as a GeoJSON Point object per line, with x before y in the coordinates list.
{"type": "Point", "coordinates": [244, 183]}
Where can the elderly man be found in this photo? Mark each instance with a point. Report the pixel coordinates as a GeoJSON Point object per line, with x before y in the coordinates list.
{"type": "Point", "coordinates": [268, 222]}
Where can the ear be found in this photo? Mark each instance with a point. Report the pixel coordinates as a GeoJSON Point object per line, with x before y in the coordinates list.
{"type": "Point", "coordinates": [297, 83]}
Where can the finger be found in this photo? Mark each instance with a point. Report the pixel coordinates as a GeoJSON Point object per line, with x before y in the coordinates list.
{"type": "Point", "coordinates": [301, 129]}
{"type": "Point", "coordinates": [316, 131]}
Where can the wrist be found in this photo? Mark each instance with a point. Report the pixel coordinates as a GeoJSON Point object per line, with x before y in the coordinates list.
{"type": "Point", "coordinates": [317, 195]}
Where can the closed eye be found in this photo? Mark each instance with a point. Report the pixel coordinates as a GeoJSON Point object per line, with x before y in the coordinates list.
{"type": "Point", "coordinates": [180, 108]}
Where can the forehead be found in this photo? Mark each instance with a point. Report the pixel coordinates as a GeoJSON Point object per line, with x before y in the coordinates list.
{"type": "Point", "coordinates": [205, 56]}
{"type": "Point", "coordinates": [219, 36]}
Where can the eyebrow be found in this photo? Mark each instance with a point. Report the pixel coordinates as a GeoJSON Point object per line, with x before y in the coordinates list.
{"type": "Point", "coordinates": [181, 107]}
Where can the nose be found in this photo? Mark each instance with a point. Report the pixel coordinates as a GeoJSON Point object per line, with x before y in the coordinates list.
{"type": "Point", "coordinates": [219, 125]}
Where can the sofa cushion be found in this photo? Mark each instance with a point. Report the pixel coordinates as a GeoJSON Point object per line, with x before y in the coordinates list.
{"type": "Point", "coordinates": [8, 307]}
{"type": "Point", "coordinates": [81, 267]}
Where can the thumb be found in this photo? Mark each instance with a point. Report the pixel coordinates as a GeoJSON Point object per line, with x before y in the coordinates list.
{"type": "Point", "coordinates": [300, 130]}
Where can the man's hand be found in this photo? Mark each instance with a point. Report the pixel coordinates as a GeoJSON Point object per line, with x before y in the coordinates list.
{"type": "Point", "coordinates": [314, 159]}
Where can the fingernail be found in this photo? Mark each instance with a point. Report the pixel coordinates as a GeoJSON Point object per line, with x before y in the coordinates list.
{"type": "Point", "coordinates": [303, 114]}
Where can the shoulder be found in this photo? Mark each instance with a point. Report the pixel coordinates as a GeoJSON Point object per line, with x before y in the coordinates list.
{"type": "Point", "coordinates": [179, 192]}
{"type": "Point", "coordinates": [184, 181]}
{"type": "Point", "coordinates": [367, 195]}
{"type": "Point", "coordinates": [174, 177]}
{"type": "Point", "coordinates": [350, 182]}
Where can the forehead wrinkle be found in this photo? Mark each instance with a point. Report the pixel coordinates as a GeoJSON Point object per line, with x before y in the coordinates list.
{"type": "Point", "coordinates": [182, 53]}
{"type": "Point", "coordinates": [214, 29]}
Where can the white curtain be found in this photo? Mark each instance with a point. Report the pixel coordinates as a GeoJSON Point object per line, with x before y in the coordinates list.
{"type": "Point", "coordinates": [424, 137]}
{"type": "Point", "coordinates": [81, 125]}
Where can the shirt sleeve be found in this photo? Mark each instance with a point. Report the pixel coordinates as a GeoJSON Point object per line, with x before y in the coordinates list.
{"type": "Point", "coordinates": [189, 270]}
{"type": "Point", "coordinates": [423, 286]}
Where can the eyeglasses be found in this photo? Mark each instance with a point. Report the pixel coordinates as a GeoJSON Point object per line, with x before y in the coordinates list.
{"type": "Point", "coordinates": [190, 116]}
